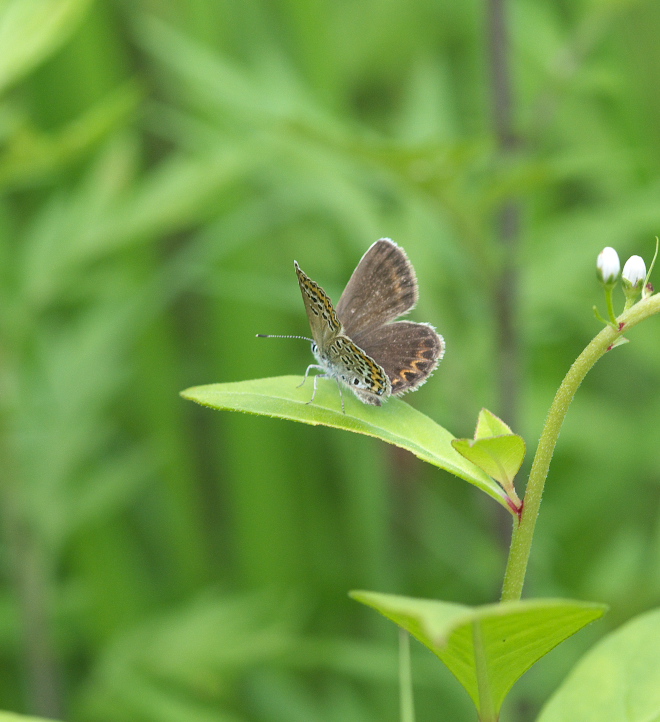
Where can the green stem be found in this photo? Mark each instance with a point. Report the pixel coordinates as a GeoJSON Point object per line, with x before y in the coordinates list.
{"type": "Point", "coordinates": [523, 532]}
{"type": "Point", "coordinates": [28, 560]}
{"type": "Point", "coordinates": [405, 678]}
{"type": "Point", "coordinates": [610, 304]}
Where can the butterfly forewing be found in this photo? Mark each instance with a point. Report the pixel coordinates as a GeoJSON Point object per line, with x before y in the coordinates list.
{"type": "Point", "coordinates": [320, 311]}
{"type": "Point", "coordinates": [408, 352]}
{"type": "Point", "coordinates": [382, 288]}
{"type": "Point", "coordinates": [337, 354]}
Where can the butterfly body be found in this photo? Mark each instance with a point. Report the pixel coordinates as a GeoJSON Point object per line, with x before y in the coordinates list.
{"type": "Point", "coordinates": [359, 343]}
{"type": "Point", "coordinates": [343, 360]}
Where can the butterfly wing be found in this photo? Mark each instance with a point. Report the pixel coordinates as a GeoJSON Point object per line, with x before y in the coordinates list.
{"type": "Point", "coordinates": [358, 343]}
{"type": "Point", "coordinates": [408, 352]}
{"type": "Point", "coordinates": [320, 311]}
{"type": "Point", "coordinates": [382, 288]}
{"type": "Point", "coordinates": [352, 366]}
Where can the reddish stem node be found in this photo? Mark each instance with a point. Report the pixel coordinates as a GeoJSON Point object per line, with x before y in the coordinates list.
{"type": "Point", "coordinates": [517, 508]}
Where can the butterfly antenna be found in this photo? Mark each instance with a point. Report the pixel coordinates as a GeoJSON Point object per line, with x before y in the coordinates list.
{"type": "Point", "coordinates": [272, 335]}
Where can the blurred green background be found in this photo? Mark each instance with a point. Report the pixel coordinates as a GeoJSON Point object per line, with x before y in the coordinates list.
{"type": "Point", "coordinates": [162, 162]}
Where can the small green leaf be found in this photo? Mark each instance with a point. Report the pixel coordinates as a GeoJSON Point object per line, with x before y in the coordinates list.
{"type": "Point", "coordinates": [395, 422]}
{"type": "Point", "coordinates": [512, 635]}
{"type": "Point", "coordinates": [499, 456]}
{"type": "Point", "coordinates": [490, 425]}
{"type": "Point", "coordinates": [617, 681]}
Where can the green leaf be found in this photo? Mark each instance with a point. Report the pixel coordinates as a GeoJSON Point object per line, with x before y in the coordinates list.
{"type": "Point", "coordinates": [395, 422]}
{"type": "Point", "coordinates": [510, 637]}
{"type": "Point", "coordinates": [617, 681]}
{"type": "Point", "coordinates": [490, 425]}
{"type": "Point", "coordinates": [499, 456]}
{"type": "Point", "coordinates": [32, 29]}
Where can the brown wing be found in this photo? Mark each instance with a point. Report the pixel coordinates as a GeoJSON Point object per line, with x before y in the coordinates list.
{"type": "Point", "coordinates": [408, 352]}
{"type": "Point", "coordinates": [382, 288]}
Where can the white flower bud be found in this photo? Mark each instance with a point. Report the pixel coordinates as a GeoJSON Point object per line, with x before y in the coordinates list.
{"type": "Point", "coordinates": [634, 272]}
{"type": "Point", "coordinates": [608, 266]}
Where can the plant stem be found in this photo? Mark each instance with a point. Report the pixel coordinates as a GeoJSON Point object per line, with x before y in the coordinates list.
{"type": "Point", "coordinates": [405, 678]}
{"type": "Point", "coordinates": [508, 215]}
{"type": "Point", "coordinates": [28, 561]}
{"type": "Point", "coordinates": [610, 304]}
{"type": "Point", "coordinates": [523, 532]}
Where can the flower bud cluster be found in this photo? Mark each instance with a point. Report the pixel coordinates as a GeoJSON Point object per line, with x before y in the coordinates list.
{"type": "Point", "coordinates": [633, 276]}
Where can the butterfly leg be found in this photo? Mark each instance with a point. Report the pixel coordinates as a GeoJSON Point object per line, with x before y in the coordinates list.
{"type": "Point", "coordinates": [316, 381]}
{"type": "Point", "coordinates": [311, 366]}
{"type": "Point", "coordinates": [341, 396]}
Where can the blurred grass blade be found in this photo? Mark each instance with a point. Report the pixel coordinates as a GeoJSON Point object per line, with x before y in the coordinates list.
{"type": "Point", "coordinates": [617, 681]}
{"type": "Point", "coordinates": [395, 422]}
{"type": "Point", "coordinates": [12, 717]}
{"type": "Point", "coordinates": [513, 635]}
{"type": "Point", "coordinates": [186, 659]}
{"type": "Point", "coordinates": [29, 154]}
{"type": "Point", "coordinates": [32, 29]}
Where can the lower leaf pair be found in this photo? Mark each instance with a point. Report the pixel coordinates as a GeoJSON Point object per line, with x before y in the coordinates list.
{"type": "Point", "coordinates": [487, 648]}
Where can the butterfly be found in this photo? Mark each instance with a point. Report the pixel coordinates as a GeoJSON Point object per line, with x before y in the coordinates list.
{"type": "Point", "coordinates": [359, 343]}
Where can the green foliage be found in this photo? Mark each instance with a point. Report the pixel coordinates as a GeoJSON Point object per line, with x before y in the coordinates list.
{"type": "Point", "coordinates": [161, 166]}
{"type": "Point", "coordinates": [31, 31]}
{"type": "Point", "coordinates": [8, 717]}
{"type": "Point", "coordinates": [396, 423]}
{"type": "Point", "coordinates": [187, 661]}
{"type": "Point", "coordinates": [488, 648]}
{"type": "Point", "coordinates": [495, 449]}
{"type": "Point", "coordinates": [499, 456]}
{"type": "Point", "coordinates": [489, 425]}
{"type": "Point", "coordinates": [618, 679]}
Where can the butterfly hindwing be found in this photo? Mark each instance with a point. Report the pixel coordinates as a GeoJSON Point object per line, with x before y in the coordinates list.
{"type": "Point", "coordinates": [408, 352]}
{"type": "Point", "coordinates": [350, 364]}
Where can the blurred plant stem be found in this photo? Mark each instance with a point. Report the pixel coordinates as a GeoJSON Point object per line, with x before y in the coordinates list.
{"type": "Point", "coordinates": [27, 559]}
{"type": "Point", "coordinates": [405, 678]}
{"type": "Point", "coordinates": [508, 217]}
{"type": "Point", "coordinates": [523, 532]}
